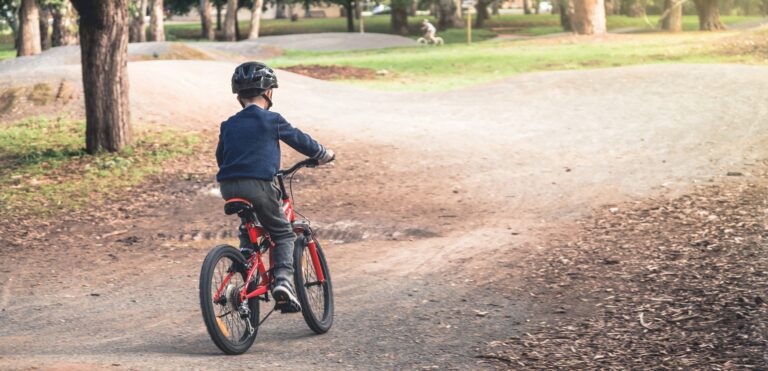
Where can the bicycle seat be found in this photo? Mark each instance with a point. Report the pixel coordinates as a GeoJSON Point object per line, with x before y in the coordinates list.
{"type": "Point", "coordinates": [236, 206]}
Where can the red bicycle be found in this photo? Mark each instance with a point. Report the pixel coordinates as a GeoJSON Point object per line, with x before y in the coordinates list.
{"type": "Point", "coordinates": [233, 281]}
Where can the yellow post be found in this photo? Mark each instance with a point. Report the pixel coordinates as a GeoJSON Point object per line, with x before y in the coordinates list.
{"type": "Point", "coordinates": [469, 27]}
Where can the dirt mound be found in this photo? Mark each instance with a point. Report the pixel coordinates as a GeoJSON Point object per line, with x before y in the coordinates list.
{"type": "Point", "coordinates": [333, 72]}
{"type": "Point", "coordinates": [669, 285]}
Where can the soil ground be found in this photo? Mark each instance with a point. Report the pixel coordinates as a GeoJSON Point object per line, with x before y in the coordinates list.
{"type": "Point", "coordinates": [435, 200]}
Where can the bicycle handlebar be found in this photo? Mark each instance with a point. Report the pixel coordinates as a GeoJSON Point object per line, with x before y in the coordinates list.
{"type": "Point", "coordinates": [310, 162]}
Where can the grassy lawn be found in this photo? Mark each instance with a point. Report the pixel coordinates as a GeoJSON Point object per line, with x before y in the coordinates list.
{"type": "Point", "coordinates": [44, 167]}
{"type": "Point", "coordinates": [531, 25]}
{"type": "Point", "coordinates": [454, 66]}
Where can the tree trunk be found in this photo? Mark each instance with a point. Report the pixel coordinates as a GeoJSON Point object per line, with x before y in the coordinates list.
{"type": "Point", "coordinates": [566, 14]}
{"type": "Point", "coordinates": [481, 6]}
{"type": "Point", "coordinates": [589, 17]}
{"type": "Point", "coordinates": [156, 28]}
{"type": "Point", "coordinates": [45, 36]}
{"type": "Point", "coordinates": [448, 14]}
{"type": "Point", "coordinates": [64, 25]}
{"type": "Point", "coordinates": [399, 18]}
{"type": "Point", "coordinates": [526, 8]}
{"type": "Point", "coordinates": [255, 20]}
{"type": "Point", "coordinates": [495, 5]}
{"type": "Point", "coordinates": [237, 24]}
{"type": "Point", "coordinates": [29, 28]}
{"type": "Point", "coordinates": [350, 13]}
{"type": "Point", "coordinates": [709, 15]}
{"type": "Point", "coordinates": [218, 17]}
{"type": "Point", "coordinates": [137, 32]}
{"type": "Point", "coordinates": [104, 59]}
{"type": "Point", "coordinates": [672, 17]}
{"type": "Point", "coordinates": [307, 12]}
{"type": "Point", "coordinates": [229, 21]}
{"type": "Point", "coordinates": [206, 20]}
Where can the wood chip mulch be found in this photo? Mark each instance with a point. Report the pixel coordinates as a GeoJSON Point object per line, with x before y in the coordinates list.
{"type": "Point", "coordinates": [678, 284]}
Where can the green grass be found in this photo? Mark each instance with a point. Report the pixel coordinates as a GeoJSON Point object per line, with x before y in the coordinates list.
{"type": "Point", "coordinates": [532, 25]}
{"type": "Point", "coordinates": [44, 167]}
{"type": "Point", "coordinates": [456, 66]}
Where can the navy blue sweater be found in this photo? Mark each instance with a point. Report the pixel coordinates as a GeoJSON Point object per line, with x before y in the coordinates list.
{"type": "Point", "coordinates": [249, 145]}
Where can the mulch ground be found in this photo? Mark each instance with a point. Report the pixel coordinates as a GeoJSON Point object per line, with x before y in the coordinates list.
{"type": "Point", "coordinates": [678, 284]}
{"type": "Point", "coordinates": [333, 72]}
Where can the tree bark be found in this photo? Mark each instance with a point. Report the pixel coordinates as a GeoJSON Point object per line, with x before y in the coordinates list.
{"type": "Point", "coordinates": [218, 17]}
{"type": "Point", "coordinates": [495, 5]}
{"type": "Point", "coordinates": [64, 25]}
{"type": "Point", "coordinates": [481, 6]}
{"type": "Point", "coordinates": [104, 59]}
{"type": "Point", "coordinates": [45, 36]}
{"type": "Point", "coordinates": [229, 21]}
{"type": "Point", "coordinates": [29, 28]}
{"type": "Point", "coordinates": [526, 7]}
{"type": "Point", "coordinates": [206, 20]}
{"type": "Point", "coordinates": [709, 15]}
{"type": "Point", "coordinates": [672, 17]}
{"type": "Point", "coordinates": [589, 17]}
{"type": "Point", "coordinates": [350, 13]}
{"type": "Point", "coordinates": [255, 20]}
{"type": "Point", "coordinates": [156, 27]}
{"type": "Point", "coordinates": [399, 18]}
{"type": "Point", "coordinates": [137, 32]}
{"type": "Point", "coordinates": [449, 14]}
{"type": "Point", "coordinates": [566, 14]}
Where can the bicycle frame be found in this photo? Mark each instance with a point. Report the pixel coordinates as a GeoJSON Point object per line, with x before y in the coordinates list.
{"type": "Point", "coordinates": [255, 262]}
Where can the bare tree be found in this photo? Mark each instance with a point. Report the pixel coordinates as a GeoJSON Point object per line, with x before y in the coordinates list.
{"type": "Point", "coordinates": [449, 14]}
{"type": "Point", "coordinates": [104, 59]}
{"type": "Point", "coordinates": [481, 6]}
{"type": "Point", "coordinates": [709, 15]}
{"type": "Point", "coordinates": [156, 27]}
{"type": "Point", "coordinates": [29, 29]}
{"type": "Point", "coordinates": [64, 25]}
{"type": "Point", "coordinates": [672, 18]}
{"type": "Point", "coordinates": [137, 31]}
{"type": "Point", "coordinates": [206, 20]}
{"type": "Point", "coordinates": [589, 17]}
{"type": "Point", "coordinates": [230, 32]}
{"type": "Point", "coordinates": [255, 19]}
{"type": "Point", "coordinates": [45, 35]}
{"type": "Point", "coordinates": [399, 17]}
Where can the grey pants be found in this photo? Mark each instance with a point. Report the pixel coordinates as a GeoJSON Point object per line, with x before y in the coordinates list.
{"type": "Point", "coordinates": [266, 203]}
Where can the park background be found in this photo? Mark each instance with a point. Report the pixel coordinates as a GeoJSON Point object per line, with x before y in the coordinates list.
{"type": "Point", "coordinates": [581, 186]}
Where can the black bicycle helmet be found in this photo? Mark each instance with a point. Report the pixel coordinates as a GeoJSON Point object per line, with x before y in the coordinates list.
{"type": "Point", "coordinates": [253, 75]}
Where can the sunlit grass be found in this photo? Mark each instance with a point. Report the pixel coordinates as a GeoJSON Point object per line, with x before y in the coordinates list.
{"type": "Point", "coordinates": [44, 167]}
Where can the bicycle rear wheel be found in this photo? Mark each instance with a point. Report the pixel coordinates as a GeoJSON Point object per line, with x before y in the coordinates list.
{"type": "Point", "coordinates": [316, 298]}
{"type": "Point", "coordinates": [232, 326]}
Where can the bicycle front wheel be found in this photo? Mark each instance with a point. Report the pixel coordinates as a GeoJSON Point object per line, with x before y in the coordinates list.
{"type": "Point", "coordinates": [232, 326]}
{"type": "Point", "coordinates": [316, 297]}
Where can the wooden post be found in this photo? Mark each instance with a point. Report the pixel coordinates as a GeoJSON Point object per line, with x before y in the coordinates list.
{"type": "Point", "coordinates": [469, 27]}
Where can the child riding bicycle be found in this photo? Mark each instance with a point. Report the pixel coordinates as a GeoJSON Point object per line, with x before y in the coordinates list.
{"type": "Point", "coordinates": [248, 155]}
{"type": "Point", "coordinates": [429, 31]}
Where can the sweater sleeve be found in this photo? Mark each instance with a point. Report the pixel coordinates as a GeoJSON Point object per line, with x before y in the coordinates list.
{"type": "Point", "coordinates": [219, 151]}
{"type": "Point", "coordinates": [298, 140]}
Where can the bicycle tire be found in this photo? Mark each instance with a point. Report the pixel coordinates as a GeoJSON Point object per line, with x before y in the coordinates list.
{"type": "Point", "coordinates": [301, 260]}
{"type": "Point", "coordinates": [217, 329]}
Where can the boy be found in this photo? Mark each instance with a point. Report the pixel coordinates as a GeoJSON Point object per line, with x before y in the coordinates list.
{"type": "Point", "coordinates": [248, 155]}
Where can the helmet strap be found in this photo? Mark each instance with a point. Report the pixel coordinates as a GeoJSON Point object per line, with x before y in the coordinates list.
{"type": "Point", "coordinates": [269, 101]}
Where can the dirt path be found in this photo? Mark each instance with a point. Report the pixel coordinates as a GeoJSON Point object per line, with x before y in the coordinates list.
{"type": "Point", "coordinates": [434, 195]}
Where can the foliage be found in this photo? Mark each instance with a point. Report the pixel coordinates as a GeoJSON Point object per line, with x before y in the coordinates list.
{"type": "Point", "coordinates": [43, 165]}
